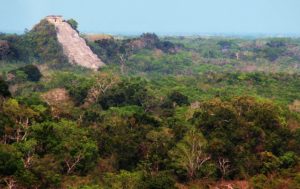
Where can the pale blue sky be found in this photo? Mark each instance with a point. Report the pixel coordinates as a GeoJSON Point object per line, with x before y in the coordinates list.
{"type": "Point", "coordinates": [160, 16]}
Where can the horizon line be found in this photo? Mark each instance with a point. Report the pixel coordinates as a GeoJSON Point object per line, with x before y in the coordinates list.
{"type": "Point", "coordinates": [179, 34]}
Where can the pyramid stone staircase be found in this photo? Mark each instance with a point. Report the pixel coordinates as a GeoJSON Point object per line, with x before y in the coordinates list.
{"type": "Point", "coordinates": [74, 47]}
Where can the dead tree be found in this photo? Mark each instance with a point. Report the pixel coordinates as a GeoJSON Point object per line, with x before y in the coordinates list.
{"type": "Point", "coordinates": [223, 165]}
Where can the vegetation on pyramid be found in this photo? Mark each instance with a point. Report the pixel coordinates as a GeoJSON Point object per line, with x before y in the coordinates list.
{"type": "Point", "coordinates": [44, 43]}
{"type": "Point", "coordinates": [39, 45]}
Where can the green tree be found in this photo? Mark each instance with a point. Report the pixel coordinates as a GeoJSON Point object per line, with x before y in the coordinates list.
{"type": "Point", "coordinates": [73, 23]}
{"type": "Point", "coordinates": [190, 153]}
{"type": "Point", "coordinates": [28, 72]}
{"type": "Point", "coordinates": [158, 181]}
{"type": "Point", "coordinates": [41, 44]}
{"type": "Point", "coordinates": [4, 49]}
{"type": "Point", "coordinates": [69, 143]}
{"type": "Point", "coordinates": [122, 134]}
{"type": "Point", "coordinates": [239, 130]}
{"type": "Point", "coordinates": [33, 73]}
{"type": "Point", "coordinates": [270, 163]}
{"type": "Point", "coordinates": [179, 98]}
{"type": "Point", "coordinates": [10, 164]}
{"type": "Point", "coordinates": [22, 117]}
{"type": "Point", "coordinates": [128, 92]}
{"type": "Point", "coordinates": [47, 177]}
{"type": "Point", "coordinates": [4, 89]}
{"type": "Point", "coordinates": [155, 150]}
{"type": "Point", "coordinates": [123, 180]}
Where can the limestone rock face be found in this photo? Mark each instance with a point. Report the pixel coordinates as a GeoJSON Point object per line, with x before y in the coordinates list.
{"type": "Point", "coordinates": [74, 47]}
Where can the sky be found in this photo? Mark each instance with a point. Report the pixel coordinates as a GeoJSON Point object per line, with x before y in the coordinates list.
{"type": "Point", "coordinates": [165, 17]}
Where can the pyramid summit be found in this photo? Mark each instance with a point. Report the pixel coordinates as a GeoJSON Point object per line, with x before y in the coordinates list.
{"type": "Point", "coordinates": [55, 18]}
{"type": "Point", "coordinates": [74, 46]}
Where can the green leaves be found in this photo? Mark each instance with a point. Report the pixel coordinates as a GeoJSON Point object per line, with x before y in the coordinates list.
{"type": "Point", "coordinates": [73, 23]}
{"type": "Point", "coordinates": [4, 88]}
{"type": "Point", "coordinates": [10, 160]}
{"type": "Point", "coordinates": [190, 153]}
{"type": "Point", "coordinates": [69, 143]}
{"type": "Point", "coordinates": [78, 86]}
{"type": "Point", "coordinates": [128, 92]}
{"type": "Point", "coordinates": [124, 179]}
{"type": "Point", "coordinates": [243, 128]}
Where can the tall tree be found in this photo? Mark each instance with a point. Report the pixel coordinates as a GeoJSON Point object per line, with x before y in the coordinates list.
{"type": "Point", "coordinates": [22, 116]}
{"type": "Point", "coordinates": [189, 154]}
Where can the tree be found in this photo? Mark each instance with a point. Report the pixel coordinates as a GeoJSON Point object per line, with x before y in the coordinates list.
{"type": "Point", "coordinates": [108, 49]}
{"type": "Point", "coordinates": [22, 116]}
{"type": "Point", "coordinates": [179, 98]}
{"type": "Point", "coordinates": [124, 179]}
{"type": "Point", "coordinates": [47, 177]}
{"type": "Point", "coordinates": [10, 165]}
{"type": "Point", "coordinates": [103, 82]}
{"type": "Point", "coordinates": [84, 152]}
{"type": "Point", "coordinates": [239, 130]}
{"type": "Point", "coordinates": [73, 23]}
{"type": "Point", "coordinates": [33, 73]}
{"type": "Point", "coordinates": [189, 154]}
{"type": "Point", "coordinates": [167, 47]}
{"type": "Point", "coordinates": [223, 165]}
{"type": "Point", "coordinates": [122, 134]}
{"type": "Point", "coordinates": [19, 77]}
{"type": "Point", "coordinates": [77, 86]}
{"type": "Point", "coordinates": [225, 44]}
{"type": "Point", "coordinates": [41, 45]}
{"type": "Point", "coordinates": [27, 148]}
{"type": "Point", "coordinates": [41, 34]}
{"type": "Point", "coordinates": [127, 92]}
{"type": "Point", "coordinates": [150, 39]}
{"type": "Point", "coordinates": [270, 163]}
{"type": "Point", "coordinates": [273, 53]}
{"type": "Point", "coordinates": [158, 181]}
{"type": "Point", "coordinates": [4, 49]}
{"type": "Point", "coordinates": [4, 89]}
{"type": "Point", "coordinates": [155, 150]}
{"type": "Point", "coordinates": [28, 72]}
{"type": "Point", "coordinates": [69, 143]}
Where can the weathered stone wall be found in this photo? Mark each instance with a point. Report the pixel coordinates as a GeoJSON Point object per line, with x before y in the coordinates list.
{"type": "Point", "coordinates": [54, 19]}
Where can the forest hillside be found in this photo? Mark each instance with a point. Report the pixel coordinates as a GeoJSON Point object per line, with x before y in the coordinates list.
{"type": "Point", "coordinates": [165, 112]}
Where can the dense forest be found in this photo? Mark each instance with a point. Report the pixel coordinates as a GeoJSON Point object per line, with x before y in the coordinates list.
{"type": "Point", "coordinates": [166, 112]}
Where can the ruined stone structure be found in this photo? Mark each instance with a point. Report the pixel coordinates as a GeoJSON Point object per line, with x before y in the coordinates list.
{"type": "Point", "coordinates": [55, 19]}
{"type": "Point", "coordinates": [74, 47]}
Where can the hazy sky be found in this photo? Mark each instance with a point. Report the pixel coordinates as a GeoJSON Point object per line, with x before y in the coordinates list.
{"type": "Point", "coordinates": [160, 16]}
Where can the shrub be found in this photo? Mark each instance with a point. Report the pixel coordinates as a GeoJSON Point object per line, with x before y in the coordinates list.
{"type": "Point", "coordinates": [124, 179]}
{"type": "Point", "coordinates": [125, 93]}
{"type": "Point", "coordinates": [259, 181]}
{"type": "Point", "coordinates": [159, 181]}
{"type": "Point", "coordinates": [32, 72]}
{"type": "Point", "coordinates": [179, 98]}
{"type": "Point", "coordinates": [289, 159]}
{"type": "Point", "coordinates": [73, 23]}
